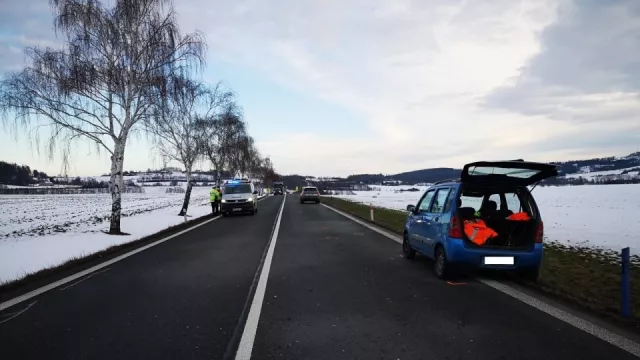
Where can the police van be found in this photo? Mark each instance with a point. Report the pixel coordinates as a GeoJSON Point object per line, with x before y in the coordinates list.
{"type": "Point", "coordinates": [239, 196]}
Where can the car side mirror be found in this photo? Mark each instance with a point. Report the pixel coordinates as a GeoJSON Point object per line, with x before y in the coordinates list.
{"type": "Point", "coordinates": [411, 208]}
{"type": "Point", "coordinates": [255, 192]}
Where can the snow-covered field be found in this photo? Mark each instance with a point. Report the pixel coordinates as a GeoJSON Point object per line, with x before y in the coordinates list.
{"type": "Point", "coordinates": [603, 216]}
{"type": "Point", "coordinates": [41, 231]}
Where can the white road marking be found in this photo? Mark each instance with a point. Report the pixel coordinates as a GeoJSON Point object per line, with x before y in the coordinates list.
{"type": "Point", "coordinates": [11, 302]}
{"type": "Point", "coordinates": [18, 313]}
{"type": "Point", "coordinates": [68, 279]}
{"type": "Point", "coordinates": [88, 277]}
{"type": "Point", "coordinates": [387, 234]}
{"type": "Point", "coordinates": [584, 325]}
{"type": "Point", "coordinates": [251, 326]}
{"type": "Point", "coordinates": [614, 339]}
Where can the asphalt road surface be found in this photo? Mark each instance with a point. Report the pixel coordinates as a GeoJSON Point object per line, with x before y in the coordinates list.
{"type": "Point", "coordinates": [335, 290]}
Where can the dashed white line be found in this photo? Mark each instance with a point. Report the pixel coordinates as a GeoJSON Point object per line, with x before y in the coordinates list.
{"type": "Point", "coordinates": [601, 333]}
{"type": "Point", "coordinates": [251, 326]}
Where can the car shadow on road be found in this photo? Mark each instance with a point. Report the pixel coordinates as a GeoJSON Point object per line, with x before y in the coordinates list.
{"type": "Point", "coordinates": [461, 275]}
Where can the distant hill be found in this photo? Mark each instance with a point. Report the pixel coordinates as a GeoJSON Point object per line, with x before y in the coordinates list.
{"type": "Point", "coordinates": [614, 164]}
{"type": "Point", "coordinates": [620, 169]}
{"type": "Point", "coordinates": [409, 177]}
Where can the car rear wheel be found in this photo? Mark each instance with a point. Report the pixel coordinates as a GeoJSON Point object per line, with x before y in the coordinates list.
{"type": "Point", "coordinates": [441, 266]}
{"type": "Point", "coordinates": [407, 251]}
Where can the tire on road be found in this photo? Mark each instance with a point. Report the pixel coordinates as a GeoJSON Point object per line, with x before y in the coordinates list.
{"type": "Point", "coordinates": [441, 266]}
{"type": "Point", "coordinates": [407, 252]}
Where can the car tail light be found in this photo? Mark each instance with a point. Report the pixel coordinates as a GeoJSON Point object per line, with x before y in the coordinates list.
{"type": "Point", "coordinates": [455, 230]}
{"type": "Point", "coordinates": [539, 233]}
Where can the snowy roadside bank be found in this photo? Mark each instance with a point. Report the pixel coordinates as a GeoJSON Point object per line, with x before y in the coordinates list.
{"type": "Point", "coordinates": [62, 227]}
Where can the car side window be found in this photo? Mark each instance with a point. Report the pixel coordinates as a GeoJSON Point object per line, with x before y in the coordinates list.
{"type": "Point", "coordinates": [450, 200]}
{"type": "Point", "coordinates": [423, 206]}
{"type": "Point", "coordinates": [439, 201]}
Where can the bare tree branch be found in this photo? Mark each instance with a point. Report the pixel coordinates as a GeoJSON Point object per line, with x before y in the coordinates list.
{"type": "Point", "coordinates": [114, 70]}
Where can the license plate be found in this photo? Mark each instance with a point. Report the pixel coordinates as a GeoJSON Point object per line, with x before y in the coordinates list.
{"type": "Point", "coordinates": [498, 260]}
{"type": "Point", "coordinates": [237, 209]}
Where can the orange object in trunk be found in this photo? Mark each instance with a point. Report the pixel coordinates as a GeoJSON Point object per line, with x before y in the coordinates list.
{"type": "Point", "coordinates": [519, 216]}
{"type": "Point", "coordinates": [478, 232]}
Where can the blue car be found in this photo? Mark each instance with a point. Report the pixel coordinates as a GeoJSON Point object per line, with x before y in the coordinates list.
{"type": "Point", "coordinates": [439, 225]}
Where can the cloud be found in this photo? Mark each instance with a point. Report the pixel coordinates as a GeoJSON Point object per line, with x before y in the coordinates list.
{"type": "Point", "coordinates": [440, 82]}
{"type": "Point", "coordinates": [588, 69]}
{"type": "Point", "coordinates": [415, 69]}
{"type": "Point", "coordinates": [22, 24]}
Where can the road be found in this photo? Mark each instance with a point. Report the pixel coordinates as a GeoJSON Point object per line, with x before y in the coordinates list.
{"type": "Point", "coordinates": [335, 290]}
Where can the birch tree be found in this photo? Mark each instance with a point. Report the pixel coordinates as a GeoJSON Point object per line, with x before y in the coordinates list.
{"type": "Point", "coordinates": [107, 78]}
{"type": "Point", "coordinates": [220, 134]}
{"type": "Point", "coordinates": [174, 126]}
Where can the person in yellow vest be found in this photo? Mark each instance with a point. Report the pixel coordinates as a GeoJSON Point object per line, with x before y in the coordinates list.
{"type": "Point", "coordinates": [213, 197]}
{"type": "Point", "coordinates": [218, 199]}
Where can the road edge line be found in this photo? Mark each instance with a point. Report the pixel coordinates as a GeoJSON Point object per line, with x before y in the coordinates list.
{"type": "Point", "coordinates": [41, 290]}
{"type": "Point", "coordinates": [387, 234]}
{"type": "Point", "coordinates": [38, 291]}
{"type": "Point", "coordinates": [245, 347]}
{"type": "Point", "coordinates": [601, 333]}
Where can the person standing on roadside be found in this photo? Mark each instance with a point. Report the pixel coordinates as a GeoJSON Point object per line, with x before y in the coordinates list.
{"type": "Point", "coordinates": [218, 199]}
{"type": "Point", "coordinates": [213, 197]}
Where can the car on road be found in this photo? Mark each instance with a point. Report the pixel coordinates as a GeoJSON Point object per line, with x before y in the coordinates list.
{"type": "Point", "coordinates": [239, 197]}
{"type": "Point", "coordinates": [486, 219]}
{"type": "Point", "coordinates": [278, 188]}
{"type": "Point", "coordinates": [310, 193]}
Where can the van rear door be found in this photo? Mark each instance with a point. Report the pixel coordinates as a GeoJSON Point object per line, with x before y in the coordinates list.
{"type": "Point", "coordinates": [511, 172]}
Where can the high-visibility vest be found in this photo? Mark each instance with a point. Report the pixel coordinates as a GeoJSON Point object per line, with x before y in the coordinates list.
{"type": "Point", "coordinates": [213, 195]}
{"type": "Point", "coordinates": [478, 232]}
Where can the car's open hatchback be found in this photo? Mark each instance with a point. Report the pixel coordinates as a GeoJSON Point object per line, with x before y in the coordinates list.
{"type": "Point", "coordinates": [508, 173]}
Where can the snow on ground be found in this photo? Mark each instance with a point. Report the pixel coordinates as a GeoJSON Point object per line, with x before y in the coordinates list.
{"type": "Point", "coordinates": [632, 172]}
{"type": "Point", "coordinates": [603, 216]}
{"type": "Point", "coordinates": [41, 231]}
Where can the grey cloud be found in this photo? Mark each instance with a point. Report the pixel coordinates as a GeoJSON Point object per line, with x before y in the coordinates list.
{"type": "Point", "coordinates": [593, 47]}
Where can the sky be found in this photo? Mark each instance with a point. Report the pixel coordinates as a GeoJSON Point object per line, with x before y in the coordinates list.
{"type": "Point", "coordinates": [332, 88]}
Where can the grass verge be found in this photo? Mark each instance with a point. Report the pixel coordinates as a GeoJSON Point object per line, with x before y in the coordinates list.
{"type": "Point", "coordinates": [587, 277]}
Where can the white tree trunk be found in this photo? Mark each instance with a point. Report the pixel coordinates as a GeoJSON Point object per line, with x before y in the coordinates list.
{"type": "Point", "coordinates": [187, 195]}
{"type": "Point", "coordinates": [116, 185]}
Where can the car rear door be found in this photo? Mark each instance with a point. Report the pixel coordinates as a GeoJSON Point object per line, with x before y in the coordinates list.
{"type": "Point", "coordinates": [510, 172]}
